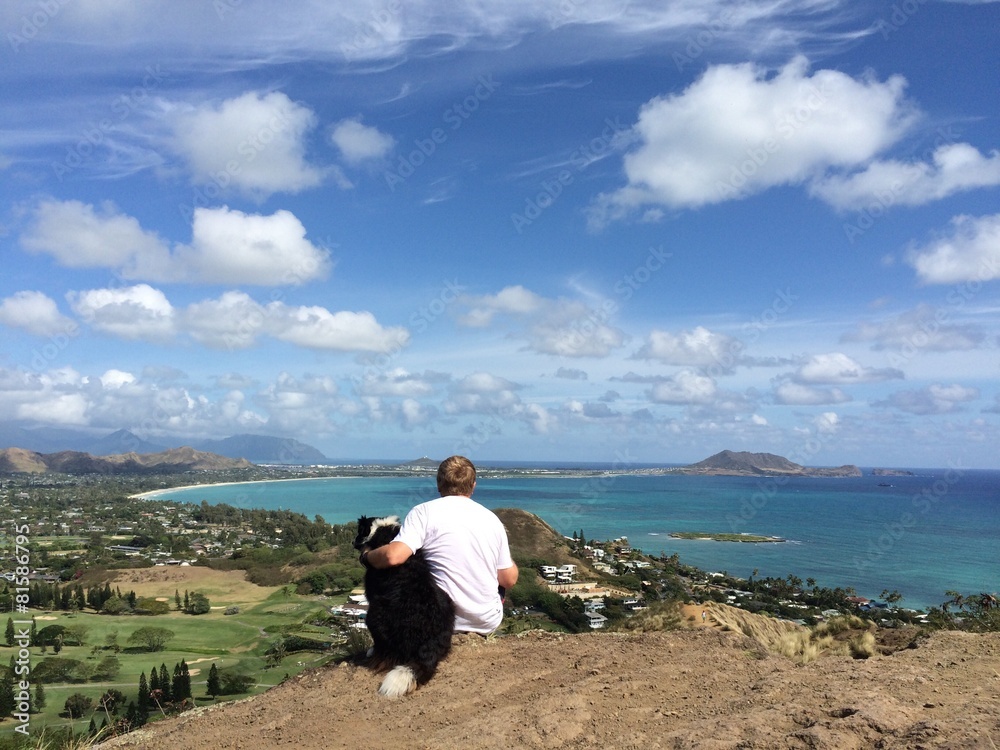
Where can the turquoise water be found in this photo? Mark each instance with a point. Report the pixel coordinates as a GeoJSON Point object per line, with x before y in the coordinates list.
{"type": "Point", "coordinates": [921, 536]}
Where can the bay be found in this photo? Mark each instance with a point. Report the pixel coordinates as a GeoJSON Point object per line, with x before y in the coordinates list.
{"type": "Point", "coordinates": [921, 535]}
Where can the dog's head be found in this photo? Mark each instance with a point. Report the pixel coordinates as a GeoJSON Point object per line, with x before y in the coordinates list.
{"type": "Point", "coordinates": [375, 532]}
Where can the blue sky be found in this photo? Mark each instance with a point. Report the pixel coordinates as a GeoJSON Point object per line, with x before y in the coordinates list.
{"type": "Point", "coordinates": [592, 231]}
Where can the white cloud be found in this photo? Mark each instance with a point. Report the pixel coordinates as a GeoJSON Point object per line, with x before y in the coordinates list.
{"type": "Point", "coordinates": [686, 387]}
{"type": "Point", "coordinates": [359, 143]}
{"type": "Point", "coordinates": [953, 168]}
{"type": "Point", "coordinates": [137, 312]}
{"type": "Point", "coordinates": [837, 368]}
{"type": "Point", "coordinates": [231, 247]}
{"type": "Point", "coordinates": [79, 236]}
{"type": "Point", "coordinates": [253, 143]}
{"type": "Point", "coordinates": [116, 378]}
{"type": "Point", "coordinates": [971, 252]}
{"type": "Point", "coordinates": [299, 406]}
{"type": "Point", "coordinates": [561, 327]}
{"type": "Point", "coordinates": [318, 328]}
{"type": "Point", "coordinates": [36, 313]}
{"type": "Point", "coordinates": [233, 321]}
{"type": "Point", "coordinates": [398, 382]}
{"type": "Point", "coordinates": [699, 347]}
{"type": "Point", "coordinates": [934, 399]}
{"type": "Point", "coordinates": [483, 392]}
{"type": "Point", "coordinates": [511, 300]}
{"type": "Point", "coordinates": [924, 328]}
{"type": "Point", "coordinates": [587, 338]}
{"type": "Point", "coordinates": [827, 423]}
{"type": "Point", "coordinates": [797, 394]}
{"type": "Point", "coordinates": [739, 130]}
{"type": "Point", "coordinates": [228, 246]}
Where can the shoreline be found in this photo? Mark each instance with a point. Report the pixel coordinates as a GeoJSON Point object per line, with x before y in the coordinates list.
{"type": "Point", "coordinates": [153, 494]}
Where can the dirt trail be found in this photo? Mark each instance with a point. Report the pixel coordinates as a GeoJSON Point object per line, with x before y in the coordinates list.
{"type": "Point", "coordinates": [698, 688]}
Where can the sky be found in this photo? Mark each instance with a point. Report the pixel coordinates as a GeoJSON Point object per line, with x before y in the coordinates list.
{"type": "Point", "coordinates": [579, 230]}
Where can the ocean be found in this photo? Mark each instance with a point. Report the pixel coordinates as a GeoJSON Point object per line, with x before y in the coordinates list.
{"type": "Point", "coordinates": [919, 535]}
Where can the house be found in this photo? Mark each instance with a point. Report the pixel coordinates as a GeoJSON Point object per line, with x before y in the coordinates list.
{"type": "Point", "coordinates": [596, 620]}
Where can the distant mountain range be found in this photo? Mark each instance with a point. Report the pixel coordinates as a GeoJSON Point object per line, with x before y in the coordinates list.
{"type": "Point", "coordinates": [742, 463]}
{"type": "Point", "coordinates": [261, 449]}
{"type": "Point", "coordinates": [173, 461]}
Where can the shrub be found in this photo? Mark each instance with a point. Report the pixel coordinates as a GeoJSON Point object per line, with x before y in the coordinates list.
{"type": "Point", "coordinates": [232, 682]}
{"type": "Point", "coordinates": [862, 646]}
{"type": "Point", "coordinates": [77, 705]}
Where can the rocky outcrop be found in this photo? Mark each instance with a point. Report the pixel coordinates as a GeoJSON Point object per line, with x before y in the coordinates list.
{"type": "Point", "coordinates": [742, 463]}
{"type": "Point", "coordinates": [175, 460]}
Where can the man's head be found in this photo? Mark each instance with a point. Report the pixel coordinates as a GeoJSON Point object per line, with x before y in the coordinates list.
{"type": "Point", "coordinates": [456, 476]}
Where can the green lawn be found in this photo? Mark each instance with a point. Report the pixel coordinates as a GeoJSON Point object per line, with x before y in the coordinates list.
{"type": "Point", "coordinates": [239, 640]}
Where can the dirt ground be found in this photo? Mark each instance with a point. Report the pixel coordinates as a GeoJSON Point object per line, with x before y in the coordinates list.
{"type": "Point", "coordinates": [700, 687]}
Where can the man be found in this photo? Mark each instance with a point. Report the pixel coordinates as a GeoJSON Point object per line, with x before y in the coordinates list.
{"type": "Point", "coordinates": [465, 544]}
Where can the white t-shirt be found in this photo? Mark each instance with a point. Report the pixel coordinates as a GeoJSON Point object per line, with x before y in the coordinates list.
{"type": "Point", "coordinates": [465, 545]}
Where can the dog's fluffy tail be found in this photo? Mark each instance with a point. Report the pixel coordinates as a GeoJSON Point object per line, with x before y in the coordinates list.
{"type": "Point", "coordinates": [400, 681]}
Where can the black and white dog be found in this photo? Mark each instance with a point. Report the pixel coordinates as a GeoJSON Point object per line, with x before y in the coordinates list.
{"type": "Point", "coordinates": [409, 617]}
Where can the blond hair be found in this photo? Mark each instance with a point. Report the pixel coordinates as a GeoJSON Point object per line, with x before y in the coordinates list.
{"type": "Point", "coordinates": [456, 476]}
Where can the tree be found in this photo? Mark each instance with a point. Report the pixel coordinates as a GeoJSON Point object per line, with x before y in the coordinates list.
{"type": "Point", "coordinates": [177, 599]}
{"type": "Point", "coordinates": [150, 638]}
{"type": "Point", "coordinates": [9, 634]}
{"type": "Point", "coordinates": [198, 604]}
{"type": "Point", "coordinates": [77, 705]}
{"type": "Point", "coordinates": [890, 597]}
{"type": "Point", "coordinates": [39, 695]}
{"type": "Point", "coordinates": [143, 697]}
{"type": "Point", "coordinates": [114, 606]}
{"type": "Point", "coordinates": [107, 668]}
{"type": "Point", "coordinates": [232, 682]}
{"type": "Point", "coordinates": [111, 701]}
{"type": "Point", "coordinates": [181, 686]}
{"type": "Point", "coordinates": [214, 687]}
{"type": "Point", "coordinates": [7, 699]}
{"type": "Point", "coordinates": [165, 683]}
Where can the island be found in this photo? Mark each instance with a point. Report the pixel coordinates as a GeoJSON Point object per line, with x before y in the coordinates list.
{"type": "Point", "coordinates": [727, 537]}
{"type": "Point", "coordinates": [742, 463]}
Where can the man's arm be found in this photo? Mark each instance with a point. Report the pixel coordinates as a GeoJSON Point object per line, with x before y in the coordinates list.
{"type": "Point", "coordinates": [389, 555]}
{"type": "Point", "coordinates": [507, 577]}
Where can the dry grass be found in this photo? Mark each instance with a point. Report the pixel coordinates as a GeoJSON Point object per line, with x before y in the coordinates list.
{"type": "Point", "coordinates": [220, 586]}
{"type": "Point", "coordinates": [660, 616]}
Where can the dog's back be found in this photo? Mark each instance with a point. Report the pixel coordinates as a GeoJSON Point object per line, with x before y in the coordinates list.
{"type": "Point", "coordinates": [410, 618]}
